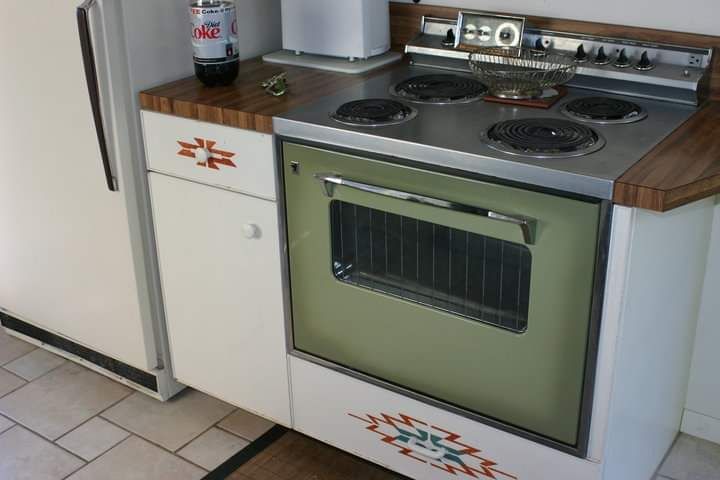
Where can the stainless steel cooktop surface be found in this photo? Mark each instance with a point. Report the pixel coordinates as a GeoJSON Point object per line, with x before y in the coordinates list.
{"type": "Point", "coordinates": [451, 135]}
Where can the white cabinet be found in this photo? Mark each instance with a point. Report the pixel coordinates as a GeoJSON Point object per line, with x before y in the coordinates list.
{"type": "Point", "coordinates": [219, 256]}
{"type": "Point", "coordinates": [702, 411]}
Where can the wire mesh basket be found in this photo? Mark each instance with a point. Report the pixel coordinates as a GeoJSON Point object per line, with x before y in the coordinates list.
{"type": "Point", "coordinates": [521, 76]}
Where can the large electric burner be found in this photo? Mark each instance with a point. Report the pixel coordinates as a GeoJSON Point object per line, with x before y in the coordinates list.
{"type": "Point", "coordinates": [543, 138]}
{"type": "Point", "coordinates": [604, 110]}
{"type": "Point", "coordinates": [374, 112]}
{"type": "Point", "coordinates": [440, 89]}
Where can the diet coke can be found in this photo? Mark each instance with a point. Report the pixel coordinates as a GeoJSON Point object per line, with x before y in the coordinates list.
{"type": "Point", "coordinates": [215, 41]}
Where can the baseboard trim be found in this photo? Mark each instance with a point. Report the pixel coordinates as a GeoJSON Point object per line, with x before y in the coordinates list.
{"type": "Point", "coordinates": [130, 373]}
{"type": "Point", "coordinates": [701, 426]}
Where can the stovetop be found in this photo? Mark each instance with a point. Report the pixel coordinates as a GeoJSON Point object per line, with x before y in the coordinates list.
{"type": "Point", "coordinates": [451, 135]}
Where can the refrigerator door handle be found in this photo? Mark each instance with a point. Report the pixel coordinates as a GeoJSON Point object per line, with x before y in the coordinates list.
{"type": "Point", "coordinates": [86, 44]}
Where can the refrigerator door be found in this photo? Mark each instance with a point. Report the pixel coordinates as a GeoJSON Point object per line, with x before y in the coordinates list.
{"type": "Point", "coordinates": [74, 254]}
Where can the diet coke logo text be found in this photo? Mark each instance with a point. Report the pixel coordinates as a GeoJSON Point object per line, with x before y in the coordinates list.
{"type": "Point", "coordinates": [207, 31]}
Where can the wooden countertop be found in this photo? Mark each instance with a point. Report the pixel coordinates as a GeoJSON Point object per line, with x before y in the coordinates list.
{"type": "Point", "coordinates": [245, 104]}
{"type": "Point", "coordinates": [684, 168]}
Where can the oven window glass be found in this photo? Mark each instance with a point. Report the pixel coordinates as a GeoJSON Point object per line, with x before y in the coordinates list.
{"type": "Point", "coordinates": [481, 278]}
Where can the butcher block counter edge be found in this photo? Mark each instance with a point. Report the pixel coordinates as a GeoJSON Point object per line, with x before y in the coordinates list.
{"type": "Point", "coordinates": [684, 168]}
{"type": "Point", "coordinates": [245, 104]}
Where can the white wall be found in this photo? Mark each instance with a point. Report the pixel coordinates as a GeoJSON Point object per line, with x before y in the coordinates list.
{"type": "Point", "coordinates": [700, 16]}
{"type": "Point", "coordinates": [702, 416]}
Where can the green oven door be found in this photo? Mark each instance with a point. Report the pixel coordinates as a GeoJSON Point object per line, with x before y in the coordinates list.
{"type": "Point", "coordinates": [474, 294]}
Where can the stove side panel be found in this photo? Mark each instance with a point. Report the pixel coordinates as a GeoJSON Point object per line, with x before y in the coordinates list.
{"type": "Point", "coordinates": [657, 308]}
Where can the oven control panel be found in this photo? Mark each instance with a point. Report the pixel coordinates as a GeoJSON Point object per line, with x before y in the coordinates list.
{"type": "Point", "coordinates": [620, 65]}
{"type": "Point", "coordinates": [485, 30]}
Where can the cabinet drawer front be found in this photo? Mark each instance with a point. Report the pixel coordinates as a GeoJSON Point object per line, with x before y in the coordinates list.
{"type": "Point", "coordinates": [393, 431]}
{"type": "Point", "coordinates": [226, 157]}
{"type": "Point", "coordinates": [221, 278]}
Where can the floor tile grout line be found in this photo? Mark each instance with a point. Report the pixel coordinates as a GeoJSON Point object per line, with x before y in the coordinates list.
{"type": "Point", "coordinates": [99, 456]}
{"type": "Point", "coordinates": [97, 415]}
{"type": "Point", "coordinates": [214, 425]}
{"type": "Point", "coordinates": [88, 462]}
{"type": "Point", "coordinates": [224, 429]}
{"type": "Point", "coordinates": [64, 361]}
{"type": "Point", "coordinates": [51, 440]}
{"type": "Point", "coordinates": [12, 424]}
{"type": "Point", "coordinates": [143, 439]}
{"type": "Point", "coordinates": [28, 382]}
{"type": "Point", "coordinates": [666, 456]}
{"type": "Point", "coordinates": [25, 382]}
{"type": "Point", "coordinates": [167, 450]}
{"type": "Point", "coordinates": [48, 441]}
{"type": "Point", "coordinates": [133, 434]}
{"type": "Point", "coordinates": [10, 361]}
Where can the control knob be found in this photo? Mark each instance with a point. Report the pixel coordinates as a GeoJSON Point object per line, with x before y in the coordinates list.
{"type": "Point", "coordinates": [601, 58]}
{"type": "Point", "coordinates": [622, 61]}
{"type": "Point", "coordinates": [449, 40]}
{"type": "Point", "coordinates": [644, 64]}
{"type": "Point", "coordinates": [581, 56]}
{"type": "Point", "coordinates": [539, 50]}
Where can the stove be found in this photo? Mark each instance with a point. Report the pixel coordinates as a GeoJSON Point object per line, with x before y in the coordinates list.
{"type": "Point", "coordinates": [604, 110]}
{"type": "Point", "coordinates": [431, 114]}
{"type": "Point", "coordinates": [373, 112]}
{"type": "Point", "coordinates": [441, 89]}
{"type": "Point", "coordinates": [449, 211]}
{"type": "Point", "coordinates": [543, 138]}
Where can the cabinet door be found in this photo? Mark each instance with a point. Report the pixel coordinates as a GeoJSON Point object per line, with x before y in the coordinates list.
{"type": "Point", "coordinates": [220, 269]}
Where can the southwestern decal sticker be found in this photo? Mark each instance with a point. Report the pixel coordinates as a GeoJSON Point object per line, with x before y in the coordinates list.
{"type": "Point", "coordinates": [432, 445]}
{"type": "Point", "coordinates": [206, 154]}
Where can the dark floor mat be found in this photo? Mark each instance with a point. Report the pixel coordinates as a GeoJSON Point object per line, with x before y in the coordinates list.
{"type": "Point", "coordinates": [282, 454]}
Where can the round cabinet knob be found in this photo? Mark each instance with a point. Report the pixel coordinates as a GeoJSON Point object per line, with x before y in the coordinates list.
{"type": "Point", "coordinates": [251, 231]}
{"type": "Point", "coordinates": [202, 155]}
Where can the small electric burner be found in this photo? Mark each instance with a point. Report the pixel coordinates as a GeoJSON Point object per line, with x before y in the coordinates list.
{"type": "Point", "coordinates": [604, 110]}
{"type": "Point", "coordinates": [543, 138]}
{"type": "Point", "coordinates": [440, 89]}
{"type": "Point", "coordinates": [374, 112]}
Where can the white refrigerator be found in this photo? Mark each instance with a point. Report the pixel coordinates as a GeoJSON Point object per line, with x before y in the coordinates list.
{"type": "Point", "coordinates": [78, 269]}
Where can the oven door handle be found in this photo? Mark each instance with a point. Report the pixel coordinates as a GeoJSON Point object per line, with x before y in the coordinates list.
{"type": "Point", "coordinates": [527, 225]}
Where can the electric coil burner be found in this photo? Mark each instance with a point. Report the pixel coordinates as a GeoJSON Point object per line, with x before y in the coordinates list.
{"type": "Point", "coordinates": [375, 112]}
{"type": "Point", "coordinates": [604, 110]}
{"type": "Point", "coordinates": [543, 138]}
{"type": "Point", "coordinates": [440, 89]}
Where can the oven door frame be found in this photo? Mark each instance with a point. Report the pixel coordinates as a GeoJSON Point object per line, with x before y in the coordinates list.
{"type": "Point", "coordinates": [596, 309]}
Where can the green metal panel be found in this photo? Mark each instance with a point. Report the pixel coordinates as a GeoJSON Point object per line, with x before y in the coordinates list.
{"type": "Point", "coordinates": [532, 380]}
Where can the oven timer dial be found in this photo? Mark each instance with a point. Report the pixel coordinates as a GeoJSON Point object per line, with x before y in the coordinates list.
{"type": "Point", "coordinates": [507, 35]}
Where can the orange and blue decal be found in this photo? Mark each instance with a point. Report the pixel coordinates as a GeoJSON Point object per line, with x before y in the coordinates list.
{"type": "Point", "coordinates": [457, 458]}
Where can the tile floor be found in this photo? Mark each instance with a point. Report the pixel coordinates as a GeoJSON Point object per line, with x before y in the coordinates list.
{"type": "Point", "coordinates": [59, 420]}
